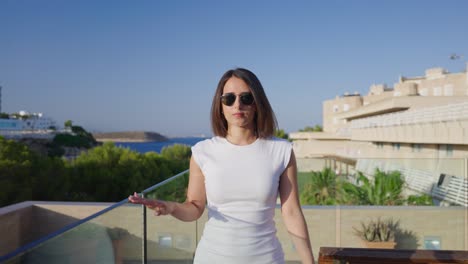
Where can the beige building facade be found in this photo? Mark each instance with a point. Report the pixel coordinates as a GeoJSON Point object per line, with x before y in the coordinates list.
{"type": "Point", "coordinates": [419, 127]}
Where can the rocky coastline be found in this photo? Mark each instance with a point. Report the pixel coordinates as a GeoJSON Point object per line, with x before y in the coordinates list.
{"type": "Point", "coordinates": [130, 136]}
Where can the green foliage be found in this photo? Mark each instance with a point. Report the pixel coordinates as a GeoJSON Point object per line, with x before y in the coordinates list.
{"type": "Point", "coordinates": [325, 188]}
{"type": "Point", "coordinates": [101, 173]}
{"type": "Point", "coordinates": [81, 132]}
{"type": "Point", "coordinates": [50, 179]}
{"type": "Point", "coordinates": [316, 128]}
{"type": "Point", "coordinates": [55, 150]}
{"type": "Point", "coordinates": [68, 123]}
{"type": "Point", "coordinates": [16, 166]}
{"type": "Point", "coordinates": [423, 199]}
{"type": "Point", "coordinates": [79, 139]}
{"type": "Point", "coordinates": [68, 140]}
{"type": "Point", "coordinates": [25, 175]}
{"type": "Point", "coordinates": [385, 189]}
{"type": "Point", "coordinates": [303, 178]}
{"type": "Point", "coordinates": [322, 190]}
{"type": "Point", "coordinates": [106, 173]}
{"type": "Point", "coordinates": [175, 190]}
{"type": "Point", "coordinates": [377, 230]}
{"type": "Point", "coordinates": [280, 133]}
{"type": "Point", "coordinates": [4, 115]}
{"type": "Point", "coordinates": [350, 194]}
{"type": "Point", "coordinates": [177, 152]}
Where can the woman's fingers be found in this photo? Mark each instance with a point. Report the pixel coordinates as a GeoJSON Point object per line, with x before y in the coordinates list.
{"type": "Point", "coordinates": [134, 198]}
{"type": "Point", "coordinates": [159, 207]}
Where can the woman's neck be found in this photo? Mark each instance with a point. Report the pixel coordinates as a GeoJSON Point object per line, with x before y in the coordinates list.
{"type": "Point", "coordinates": [241, 136]}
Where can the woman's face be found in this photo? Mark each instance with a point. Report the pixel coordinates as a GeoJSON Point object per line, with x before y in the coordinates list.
{"type": "Point", "coordinates": [239, 114]}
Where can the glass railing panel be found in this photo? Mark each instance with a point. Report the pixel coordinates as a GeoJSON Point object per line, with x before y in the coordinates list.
{"type": "Point", "coordinates": [321, 222]}
{"type": "Point", "coordinates": [114, 236]}
{"type": "Point", "coordinates": [125, 228]}
{"type": "Point", "coordinates": [419, 227]}
{"type": "Point", "coordinates": [170, 240]}
{"type": "Point", "coordinates": [440, 226]}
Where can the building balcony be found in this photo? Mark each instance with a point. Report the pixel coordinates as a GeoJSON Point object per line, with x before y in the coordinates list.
{"type": "Point", "coordinates": [436, 125]}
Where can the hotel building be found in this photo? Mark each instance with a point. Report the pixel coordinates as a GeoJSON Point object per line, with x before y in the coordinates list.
{"type": "Point", "coordinates": [418, 127]}
{"type": "Point", "coordinates": [30, 125]}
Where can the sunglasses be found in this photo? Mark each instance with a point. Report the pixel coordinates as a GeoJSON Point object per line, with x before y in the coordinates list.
{"type": "Point", "coordinates": [228, 99]}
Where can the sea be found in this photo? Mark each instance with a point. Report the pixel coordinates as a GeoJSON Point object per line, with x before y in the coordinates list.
{"type": "Point", "coordinates": [144, 147]}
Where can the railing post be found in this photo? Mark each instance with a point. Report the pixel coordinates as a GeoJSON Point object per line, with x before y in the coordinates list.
{"type": "Point", "coordinates": [144, 242]}
{"type": "Point", "coordinates": [338, 226]}
{"type": "Point", "coordinates": [466, 197]}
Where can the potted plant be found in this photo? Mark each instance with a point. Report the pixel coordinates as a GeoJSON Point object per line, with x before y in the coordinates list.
{"type": "Point", "coordinates": [378, 233]}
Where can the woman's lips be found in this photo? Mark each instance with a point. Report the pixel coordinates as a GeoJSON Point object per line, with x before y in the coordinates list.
{"type": "Point", "coordinates": [238, 115]}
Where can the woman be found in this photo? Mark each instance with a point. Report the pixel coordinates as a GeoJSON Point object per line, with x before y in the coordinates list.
{"type": "Point", "coordinates": [240, 172]}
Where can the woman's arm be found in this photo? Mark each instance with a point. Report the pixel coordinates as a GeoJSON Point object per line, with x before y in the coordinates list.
{"type": "Point", "coordinates": [191, 209]}
{"type": "Point", "coordinates": [292, 212]}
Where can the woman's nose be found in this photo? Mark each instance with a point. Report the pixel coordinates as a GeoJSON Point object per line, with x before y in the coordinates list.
{"type": "Point", "coordinates": [237, 102]}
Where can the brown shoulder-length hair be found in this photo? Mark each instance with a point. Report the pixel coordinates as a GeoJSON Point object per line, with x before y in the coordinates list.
{"type": "Point", "coordinates": [265, 119]}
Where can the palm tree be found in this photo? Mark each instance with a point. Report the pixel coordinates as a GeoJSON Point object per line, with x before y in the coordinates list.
{"type": "Point", "coordinates": [385, 189]}
{"type": "Point", "coordinates": [322, 189]}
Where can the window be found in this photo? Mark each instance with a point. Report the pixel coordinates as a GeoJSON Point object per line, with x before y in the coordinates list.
{"type": "Point", "coordinates": [165, 240]}
{"type": "Point", "coordinates": [449, 150]}
{"type": "Point", "coordinates": [8, 125]}
{"type": "Point", "coordinates": [379, 145]}
{"type": "Point", "coordinates": [446, 150]}
{"type": "Point", "coordinates": [346, 107]}
{"type": "Point", "coordinates": [432, 242]}
{"type": "Point", "coordinates": [416, 147]}
{"type": "Point", "coordinates": [423, 92]}
{"type": "Point", "coordinates": [448, 90]}
{"type": "Point", "coordinates": [335, 108]}
{"type": "Point", "coordinates": [396, 146]}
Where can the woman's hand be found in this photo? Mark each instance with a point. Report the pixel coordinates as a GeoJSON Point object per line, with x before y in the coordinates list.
{"type": "Point", "coordinates": [159, 207]}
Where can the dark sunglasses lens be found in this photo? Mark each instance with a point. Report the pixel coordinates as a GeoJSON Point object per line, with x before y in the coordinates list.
{"type": "Point", "coordinates": [247, 99]}
{"type": "Point", "coordinates": [228, 99]}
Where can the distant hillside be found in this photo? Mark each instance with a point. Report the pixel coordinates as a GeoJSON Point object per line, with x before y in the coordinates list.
{"type": "Point", "coordinates": [130, 136]}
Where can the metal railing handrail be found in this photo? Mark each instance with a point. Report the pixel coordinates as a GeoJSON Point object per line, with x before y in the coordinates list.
{"type": "Point", "coordinates": [44, 239]}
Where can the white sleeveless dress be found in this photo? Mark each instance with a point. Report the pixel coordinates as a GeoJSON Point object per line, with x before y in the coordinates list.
{"type": "Point", "coordinates": [241, 187]}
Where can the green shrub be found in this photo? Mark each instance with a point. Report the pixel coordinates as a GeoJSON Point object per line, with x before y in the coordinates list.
{"type": "Point", "coordinates": [423, 199]}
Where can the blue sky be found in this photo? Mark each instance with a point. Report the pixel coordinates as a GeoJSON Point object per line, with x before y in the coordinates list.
{"type": "Point", "coordinates": [154, 65]}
